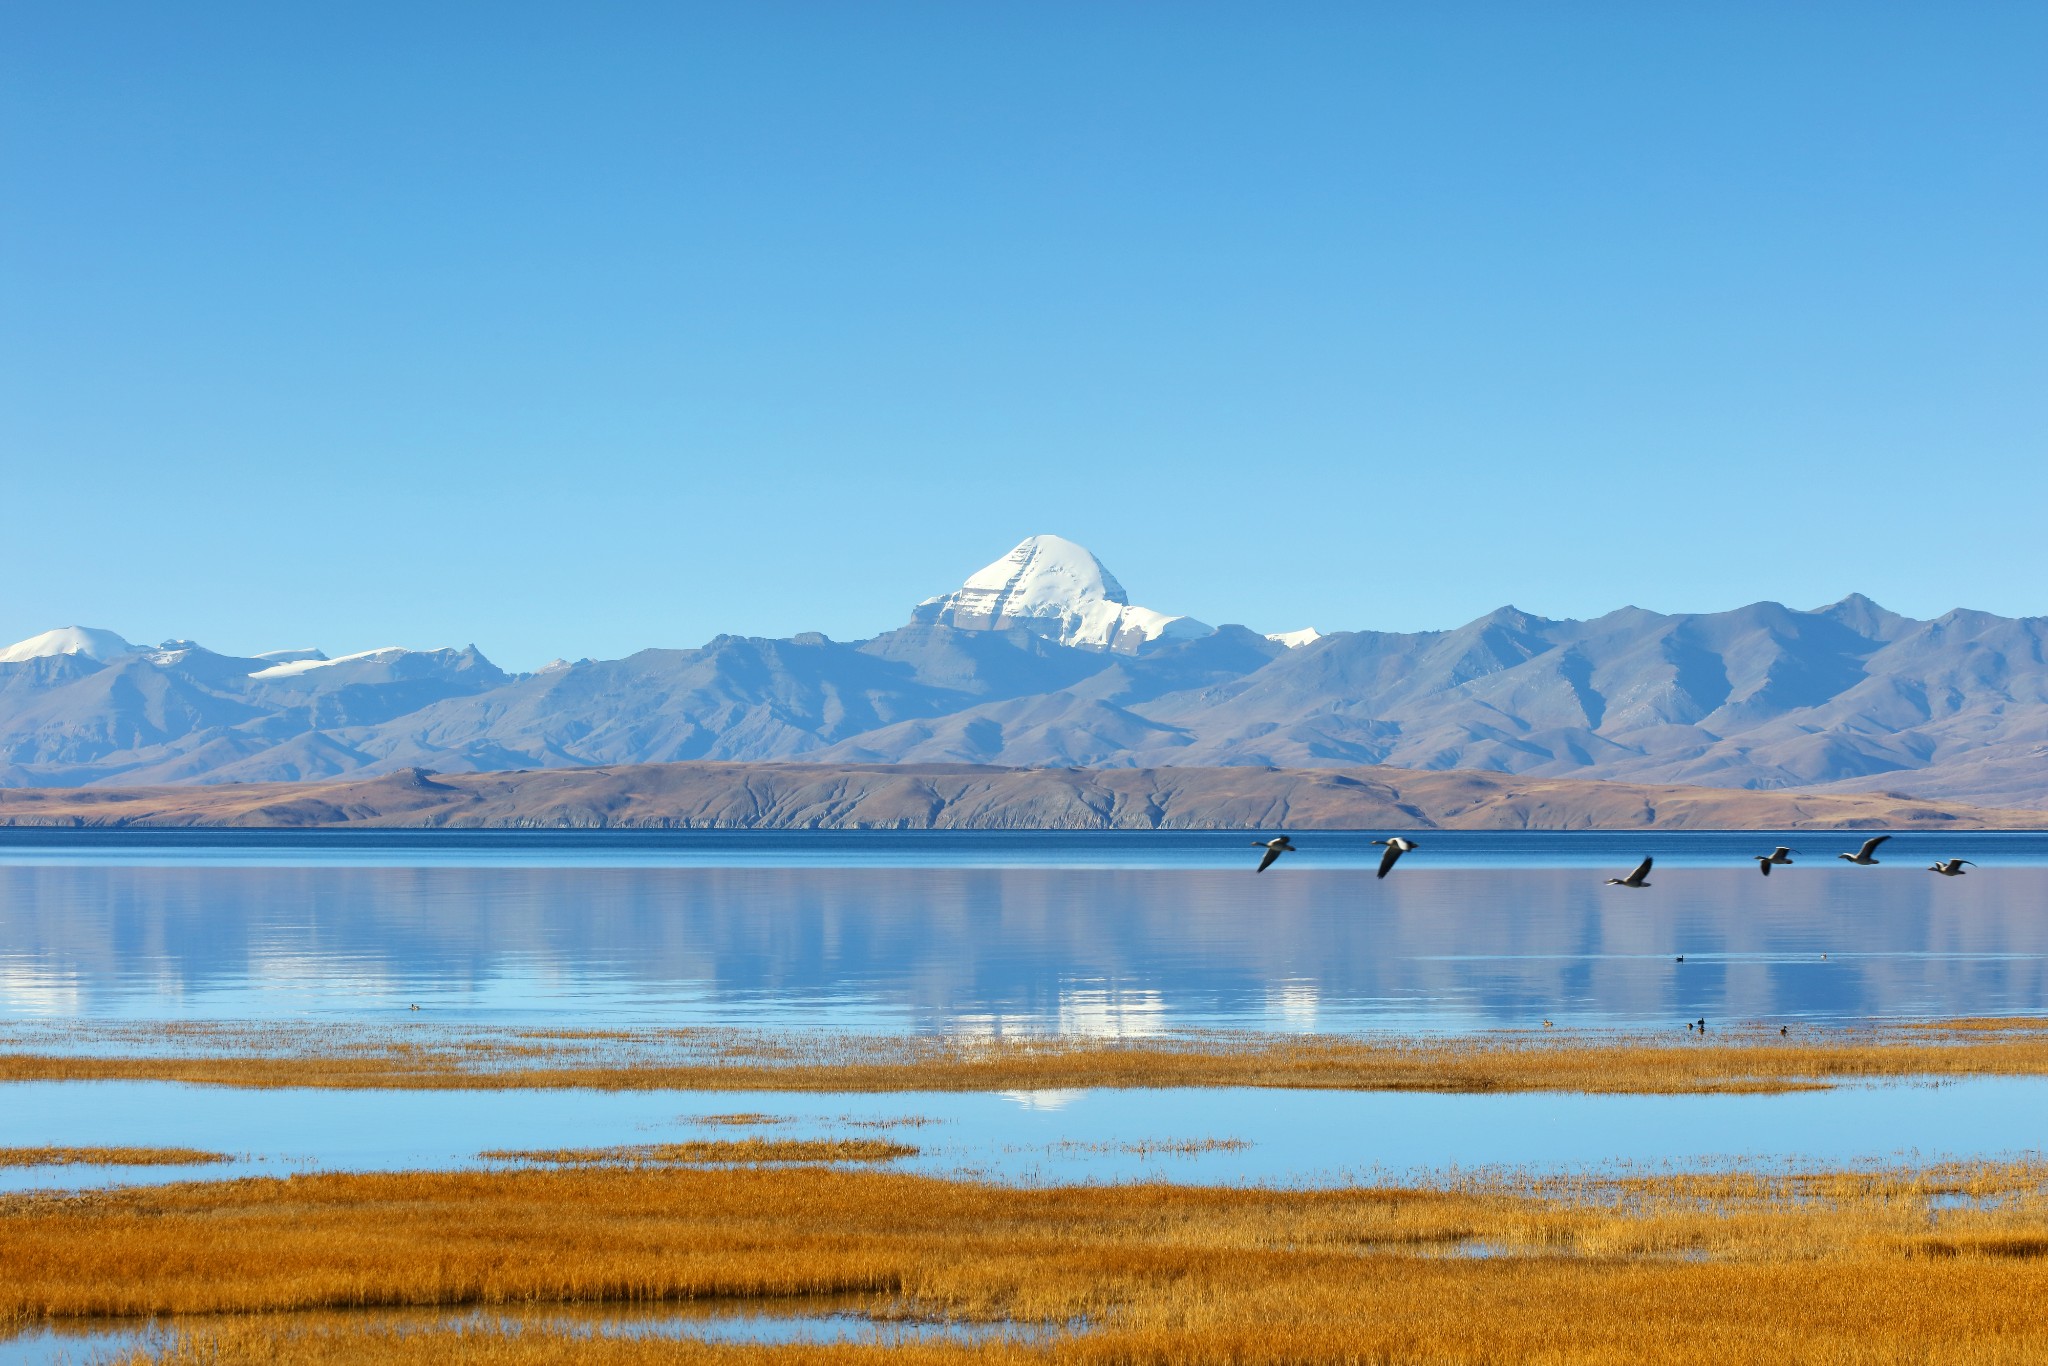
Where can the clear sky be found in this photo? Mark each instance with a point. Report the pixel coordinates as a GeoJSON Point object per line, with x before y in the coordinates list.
{"type": "Point", "coordinates": [574, 329]}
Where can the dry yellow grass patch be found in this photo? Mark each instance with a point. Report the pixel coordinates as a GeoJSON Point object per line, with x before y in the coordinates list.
{"type": "Point", "coordinates": [707, 1153]}
{"type": "Point", "coordinates": [1820, 1268]}
{"type": "Point", "coordinates": [108, 1157]}
{"type": "Point", "coordinates": [1734, 1061]}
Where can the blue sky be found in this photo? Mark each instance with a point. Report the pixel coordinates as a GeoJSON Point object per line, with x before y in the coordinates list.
{"type": "Point", "coordinates": [577, 329]}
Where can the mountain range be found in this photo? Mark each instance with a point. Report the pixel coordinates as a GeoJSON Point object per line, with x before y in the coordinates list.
{"type": "Point", "coordinates": [1041, 660]}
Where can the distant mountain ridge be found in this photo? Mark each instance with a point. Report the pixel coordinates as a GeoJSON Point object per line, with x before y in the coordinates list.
{"type": "Point", "coordinates": [1041, 660]}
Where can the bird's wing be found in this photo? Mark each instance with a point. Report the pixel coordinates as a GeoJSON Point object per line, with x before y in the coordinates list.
{"type": "Point", "coordinates": [1642, 870]}
{"type": "Point", "coordinates": [1961, 861]}
{"type": "Point", "coordinates": [1763, 865]}
{"type": "Point", "coordinates": [1781, 852]}
{"type": "Point", "coordinates": [1387, 859]}
{"type": "Point", "coordinates": [1870, 846]}
{"type": "Point", "coordinates": [1267, 861]}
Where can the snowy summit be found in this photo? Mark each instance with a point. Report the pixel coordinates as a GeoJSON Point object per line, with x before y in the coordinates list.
{"type": "Point", "coordinates": [1056, 588]}
{"type": "Point", "coordinates": [89, 641]}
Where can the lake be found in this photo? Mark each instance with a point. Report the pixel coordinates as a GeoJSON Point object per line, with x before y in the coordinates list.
{"type": "Point", "coordinates": [1111, 934]}
{"type": "Point", "coordinates": [993, 934]}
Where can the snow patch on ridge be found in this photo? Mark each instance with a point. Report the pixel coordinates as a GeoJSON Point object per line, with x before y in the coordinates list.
{"type": "Point", "coordinates": [293, 668]}
{"type": "Point", "coordinates": [1294, 640]}
{"type": "Point", "coordinates": [1057, 588]}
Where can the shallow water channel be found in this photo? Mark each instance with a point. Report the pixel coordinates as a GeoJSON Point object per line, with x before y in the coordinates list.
{"type": "Point", "coordinates": [770, 1321]}
{"type": "Point", "coordinates": [1191, 1135]}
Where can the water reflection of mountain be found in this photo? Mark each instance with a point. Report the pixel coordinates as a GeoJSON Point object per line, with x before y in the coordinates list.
{"type": "Point", "coordinates": [982, 950]}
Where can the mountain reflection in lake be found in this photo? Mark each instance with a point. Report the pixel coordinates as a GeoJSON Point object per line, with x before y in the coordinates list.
{"type": "Point", "coordinates": [1045, 934]}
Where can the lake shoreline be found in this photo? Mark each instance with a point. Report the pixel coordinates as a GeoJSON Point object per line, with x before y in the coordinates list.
{"type": "Point", "coordinates": [703, 795]}
{"type": "Point", "coordinates": [1740, 1060]}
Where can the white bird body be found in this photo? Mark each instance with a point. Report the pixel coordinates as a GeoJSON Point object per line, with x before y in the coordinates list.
{"type": "Point", "coordinates": [1395, 848]}
{"type": "Point", "coordinates": [1867, 855]}
{"type": "Point", "coordinates": [1274, 849]}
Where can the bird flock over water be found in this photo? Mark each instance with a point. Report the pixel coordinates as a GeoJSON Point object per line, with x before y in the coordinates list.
{"type": "Point", "coordinates": [1639, 876]}
{"type": "Point", "coordinates": [1864, 856]}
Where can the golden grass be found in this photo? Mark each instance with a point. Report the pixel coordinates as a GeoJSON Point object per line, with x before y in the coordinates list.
{"type": "Point", "coordinates": [1725, 1061]}
{"type": "Point", "coordinates": [709, 1153]}
{"type": "Point", "coordinates": [1876, 1266]}
{"type": "Point", "coordinates": [108, 1157]}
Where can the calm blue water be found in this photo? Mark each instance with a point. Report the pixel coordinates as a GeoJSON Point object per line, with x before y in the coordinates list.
{"type": "Point", "coordinates": [1010, 933]}
{"type": "Point", "coordinates": [1316, 1137]}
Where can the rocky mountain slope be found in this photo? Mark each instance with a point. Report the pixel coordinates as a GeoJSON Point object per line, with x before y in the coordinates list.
{"type": "Point", "coordinates": [1040, 659]}
{"type": "Point", "coordinates": [966, 797]}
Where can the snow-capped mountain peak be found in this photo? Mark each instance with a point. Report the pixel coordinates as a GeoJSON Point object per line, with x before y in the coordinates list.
{"type": "Point", "coordinates": [89, 641]}
{"type": "Point", "coordinates": [1056, 587]}
{"type": "Point", "coordinates": [1294, 640]}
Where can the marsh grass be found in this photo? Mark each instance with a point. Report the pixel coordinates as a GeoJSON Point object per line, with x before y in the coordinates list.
{"type": "Point", "coordinates": [743, 1120]}
{"type": "Point", "coordinates": [109, 1157]}
{"type": "Point", "coordinates": [888, 1121]}
{"type": "Point", "coordinates": [1830, 1267]}
{"type": "Point", "coordinates": [741, 1150]}
{"type": "Point", "coordinates": [1154, 1147]}
{"type": "Point", "coordinates": [1732, 1061]}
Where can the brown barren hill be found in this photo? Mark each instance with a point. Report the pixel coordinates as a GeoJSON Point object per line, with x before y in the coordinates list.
{"type": "Point", "coordinates": [809, 796]}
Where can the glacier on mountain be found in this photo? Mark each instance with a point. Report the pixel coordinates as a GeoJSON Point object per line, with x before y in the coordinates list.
{"type": "Point", "coordinates": [1056, 588]}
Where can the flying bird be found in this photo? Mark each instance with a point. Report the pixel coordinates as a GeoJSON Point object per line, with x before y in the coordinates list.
{"type": "Point", "coordinates": [1634, 879]}
{"type": "Point", "coordinates": [1950, 868]}
{"type": "Point", "coordinates": [1274, 849]}
{"type": "Point", "coordinates": [1867, 854]}
{"type": "Point", "coordinates": [1778, 855]}
{"type": "Point", "coordinates": [1395, 848]}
